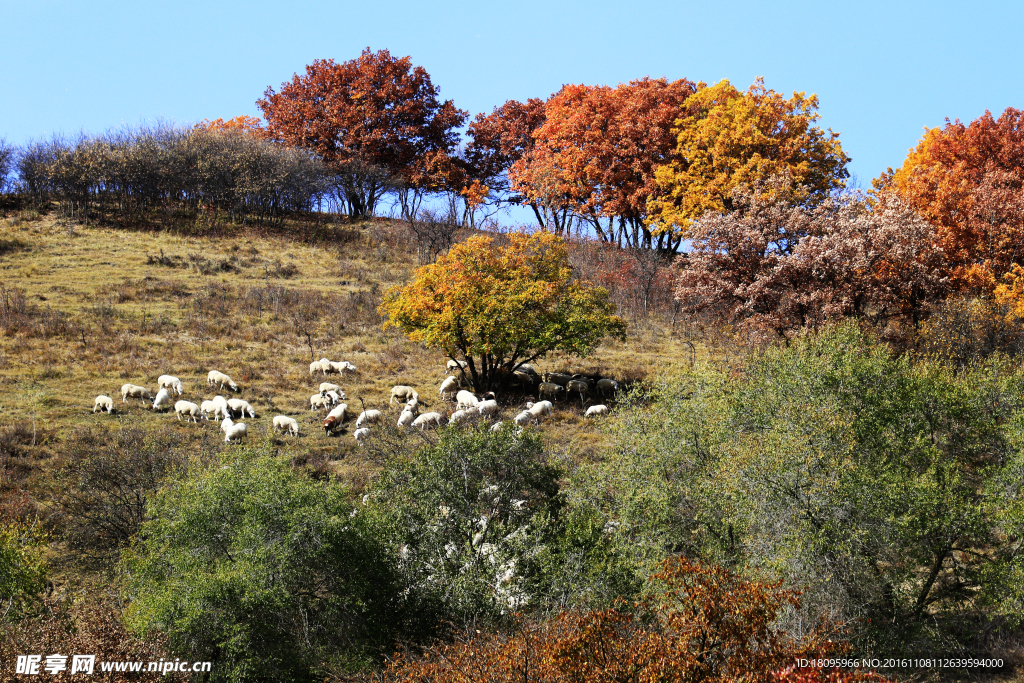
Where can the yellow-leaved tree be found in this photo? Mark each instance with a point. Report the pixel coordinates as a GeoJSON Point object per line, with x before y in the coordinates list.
{"type": "Point", "coordinates": [497, 307]}
{"type": "Point", "coordinates": [726, 138]}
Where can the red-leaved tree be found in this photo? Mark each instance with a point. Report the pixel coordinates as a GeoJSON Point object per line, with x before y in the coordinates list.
{"type": "Point", "coordinates": [376, 120]}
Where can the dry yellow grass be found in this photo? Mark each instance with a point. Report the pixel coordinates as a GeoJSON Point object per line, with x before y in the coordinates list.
{"type": "Point", "coordinates": [130, 319]}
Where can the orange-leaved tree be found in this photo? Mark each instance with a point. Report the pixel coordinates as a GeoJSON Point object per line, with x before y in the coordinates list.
{"type": "Point", "coordinates": [249, 125]}
{"type": "Point", "coordinates": [968, 180]}
{"type": "Point", "coordinates": [597, 150]}
{"type": "Point", "coordinates": [498, 307]}
{"type": "Point", "coordinates": [709, 625]}
{"type": "Point", "coordinates": [375, 119]}
{"type": "Point", "coordinates": [727, 138]}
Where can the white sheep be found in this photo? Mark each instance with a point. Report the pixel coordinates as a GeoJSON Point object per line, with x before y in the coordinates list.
{"type": "Point", "coordinates": [208, 408]}
{"type": "Point", "coordinates": [135, 391]}
{"type": "Point", "coordinates": [339, 368]}
{"type": "Point", "coordinates": [466, 399]}
{"type": "Point", "coordinates": [317, 366]}
{"type": "Point", "coordinates": [488, 407]}
{"type": "Point", "coordinates": [578, 385]}
{"type": "Point", "coordinates": [607, 387]}
{"type": "Point", "coordinates": [335, 418]}
{"type": "Point", "coordinates": [237, 405]}
{"type": "Point", "coordinates": [222, 380]}
{"type": "Point", "coordinates": [455, 365]}
{"type": "Point", "coordinates": [317, 401]}
{"type": "Point", "coordinates": [403, 393]}
{"type": "Point", "coordinates": [162, 400]}
{"type": "Point", "coordinates": [233, 431]}
{"type": "Point", "coordinates": [361, 435]}
{"type": "Point", "coordinates": [222, 405]}
{"type": "Point", "coordinates": [522, 419]}
{"type": "Point", "coordinates": [103, 403]}
{"type": "Point", "coordinates": [368, 417]}
{"type": "Point", "coordinates": [332, 398]}
{"type": "Point", "coordinates": [496, 427]}
{"type": "Point", "coordinates": [594, 411]}
{"type": "Point", "coordinates": [406, 418]}
{"type": "Point", "coordinates": [461, 416]}
{"type": "Point", "coordinates": [286, 424]}
{"type": "Point", "coordinates": [544, 408]}
{"type": "Point", "coordinates": [187, 408]}
{"type": "Point", "coordinates": [168, 382]}
{"type": "Point", "coordinates": [425, 419]}
{"type": "Point", "coordinates": [327, 386]}
{"type": "Point", "coordinates": [448, 388]}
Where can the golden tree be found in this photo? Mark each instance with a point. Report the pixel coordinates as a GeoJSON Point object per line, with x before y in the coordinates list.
{"type": "Point", "coordinates": [501, 306]}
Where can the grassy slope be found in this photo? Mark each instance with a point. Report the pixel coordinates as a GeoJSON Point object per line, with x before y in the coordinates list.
{"type": "Point", "coordinates": [132, 321]}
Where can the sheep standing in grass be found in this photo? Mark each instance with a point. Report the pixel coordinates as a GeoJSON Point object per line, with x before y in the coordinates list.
{"type": "Point", "coordinates": [222, 405]}
{"type": "Point", "coordinates": [406, 418]}
{"type": "Point", "coordinates": [403, 394]}
{"type": "Point", "coordinates": [237, 405]}
{"type": "Point", "coordinates": [448, 388]}
{"type": "Point", "coordinates": [595, 411]}
{"type": "Point", "coordinates": [339, 368]}
{"type": "Point", "coordinates": [214, 378]}
{"type": "Point", "coordinates": [233, 431]}
{"type": "Point", "coordinates": [162, 400]}
{"type": "Point", "coordinates": [317, 366]}
{"type": "Point", "coordinates": [549, 389]}
{"type": "Point", "coordinates": [331, 398]}
{"type": "Point", "coordinates": [317, 401]}
{"type": "Point", "coordinates": [461, 416]}
{"type": "Point", "coordinates": [361, 435]}
{"type": "Point", "coordinates": [286, 424]}
{"type": "Point", "coordinates": [103, 403]}
{"type": "Point", "coordinates": [607, 387]}
{"type": "Point", "coordinates": [208, 408]}
{"type": "Point", "coordinates": [466, 399]}
{"type": "Point", "coordinates": [426, 419]}
{"type": "Point", "coordinates": [455, 366]}
{"type": "Point", "coordinates": [188, 409]}
{"type": "Point", "coordinates": [487, 408]}
{"type": "Point", "coordinates": [334, 419]}
{"type": "Point", "coordinates": [327, 386]}
{"type": "Point", "coordinates": [582, 387]}
{"type": "Point", "coordinates": [135, 391]}
{"type": "Point", "coordinates": [522, 419]}
{"type": "Point", "coordinates": [542, 408]}
{"type": "Point", "coordinates": [168, 382]}
{"type": "Point", "coordinates": [368, 417]}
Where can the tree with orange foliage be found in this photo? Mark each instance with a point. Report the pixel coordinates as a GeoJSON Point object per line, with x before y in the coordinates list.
{"type": "Point", "coordinates": [968, 180]}
{"type": "Point", "coordinates": [707, 625]}
{"type": "Point", "coordinates": [727, 138]}
{"type": "Point", "coordinates": [249, 125]}
{"type": "Point", "coordinates": [375, 119]}
{"type": "Point", "coordinates": [498, 307]}
{"type": "Point", "coordinates": [596, 153]}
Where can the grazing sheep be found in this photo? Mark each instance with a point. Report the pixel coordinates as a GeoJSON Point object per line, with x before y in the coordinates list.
{"type": "Point", "coordinates": [455, 365]}
{"type": "Point", "coordinates": [496, 427]}
{"type": "Point", "coordinates": [488, 407]}
{"type": "Point", "coordinates": [435, 419]}
{"type": "Point", "coordinates": [403, 393]}
{"type": "Point", "coordinates": [578, 385]}
{"type": "Point", "coordinates": [168, 382]}
{"type": "Point", "coordinates": [188, 409]}
{"type": "Point", "coordinates": [547, 389]}
{"type": "Point", "coordinates": [162, 400]}
{"type": "Point", "coordinates": [339, 368]}
{"type": "Point", "coordinates": [335, 419]}
{"type": "Point", "coordinates": [406, 418]}
{"type": "Point", "coordinates": [286, 424]}
{"type": "Point", "coordinates": [448, 388]}
{"type": "Point", "coordinates": [208, 408]}
{"type": "Point", "coordinates": [368, 417]}
{"type": "Point", "coordinates": [233, 431]}
{"type": "Point", "coordinates": [327, 386]}
{"type": "Point", "coordinates": [339, 412]}
{"type": "Point", "coordinates": [522, 419]}
{"type": "Point", "coordinates": [466, 399]}
{"type": "Point", "coordinates": [559, 378]}
{"type": "Point", "coordinates": [607, 387]}
{"type": "Point", "coordinates": [221, 403]}
{"type": "Point", "coordinates": [237, 405]}
{"type": "Point", "coordinates": [103, 402]}
{"type": "Point", "coordinates": [332, 398]}
{"type": "Point", "coordinates": [541, 408]}
{"type": "Point", "coordinates": [461, 416]}
{"type": "Point", "coordinates": [528, 369]}
{"type": "Point", "coordinates": [594, 411]}
{"type": "Point", "coordinates": [317, 401]}
{"type": "Point", "coordinates": [221, 380]}
{"type": "Point", "coordinates": [361, 435]}
{"type": "Point", "coordinates": [135, 391]}
{"type": "Point", "coordinates": [317, 366]}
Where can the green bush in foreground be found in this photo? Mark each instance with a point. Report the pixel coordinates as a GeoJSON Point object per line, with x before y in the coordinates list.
{"type": "Point", "coordinates": [890, 489]}
{"type": "Point", "coordinates": [262, 571]}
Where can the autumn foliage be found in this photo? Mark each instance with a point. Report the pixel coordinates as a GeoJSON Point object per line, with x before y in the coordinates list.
{"type": "Point", "coordinates": [370, 115]}
{"type": "Point", "coordinates": [968, 180]}
{"type": "Point", "coordinates": [249, 125]}
{"type": "Point", "coordinates": [707, 624]}
{"type": "Point", "coordinates": [500, 306]}
{"type": "Point", "coordinates": [726, 139]}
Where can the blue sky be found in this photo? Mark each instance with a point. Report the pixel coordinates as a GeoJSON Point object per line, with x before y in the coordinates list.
{"type": "Point", "coordinates": [882, 70]}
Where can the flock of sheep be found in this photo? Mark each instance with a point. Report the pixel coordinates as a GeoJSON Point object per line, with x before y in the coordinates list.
{"type": "Point", "coordinates": [469, 406]}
